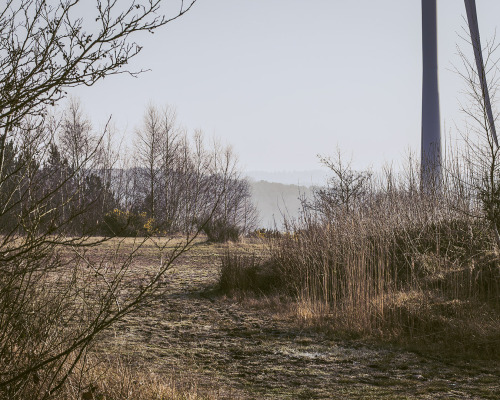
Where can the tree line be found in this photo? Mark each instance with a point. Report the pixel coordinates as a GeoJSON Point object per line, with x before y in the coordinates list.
{"type": "Point", "coordinates": [63, 176]}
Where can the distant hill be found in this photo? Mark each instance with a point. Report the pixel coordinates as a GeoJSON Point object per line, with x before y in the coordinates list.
{"type": "Point", "coordinates": [316, 177]}
{"type": "Point", "coordinates": [276, 199]}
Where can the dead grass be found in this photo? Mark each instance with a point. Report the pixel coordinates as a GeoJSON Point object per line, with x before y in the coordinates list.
{"type": "Point", "coordinates": [401, 270]}
{"type": "Point", "coordinates": [118, 380]}
{"type": "Point", "coordinates": [192, 342]}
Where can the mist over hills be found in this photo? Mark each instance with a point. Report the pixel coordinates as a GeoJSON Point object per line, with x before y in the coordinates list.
{"type": "Point", "coordinates": [315, 177]}
{"type": "Point", "coordinates": [278, 193]}
{"type": "Point", "coordinates": [273, 200]}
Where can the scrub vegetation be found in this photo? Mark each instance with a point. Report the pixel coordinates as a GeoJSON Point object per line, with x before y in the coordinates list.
{"type": "Point", "coordinates": [385, 255]}
{"type": "Point", "coordinates": [138, 273]}
{"type": "Point", "coordinates": [385, 261]}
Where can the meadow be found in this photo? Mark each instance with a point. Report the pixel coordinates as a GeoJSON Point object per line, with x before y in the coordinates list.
{"type": "Point", "coordinates": [137, 273]}
{"type": "Point", "coordinates": [198, 339]}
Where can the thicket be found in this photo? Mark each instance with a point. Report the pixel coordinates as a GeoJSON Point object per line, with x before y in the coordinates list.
{"type": "Point", "coordinates": [62, 182]}
{"type": "Point", "coordinates": [388, 261]}
{"type": "Point", "coordinates": [173, 174]}
{"type": "Point", "coordinates": [82, 184]}
{"type": "Point", "coordinates": [390, 256]}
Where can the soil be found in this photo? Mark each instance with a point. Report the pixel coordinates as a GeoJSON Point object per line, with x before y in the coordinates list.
{"type": "Point", "coordinates": [242, 350]}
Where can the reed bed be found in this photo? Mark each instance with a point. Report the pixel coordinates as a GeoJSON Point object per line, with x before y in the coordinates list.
{"type": "Point", "coordinates": [396, 264]}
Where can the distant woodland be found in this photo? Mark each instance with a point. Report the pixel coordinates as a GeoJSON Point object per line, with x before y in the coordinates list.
{"type": "Point", "coordinates": [65, 177]}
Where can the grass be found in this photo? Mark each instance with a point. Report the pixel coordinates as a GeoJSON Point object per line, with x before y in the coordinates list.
{"type": "Point", "coordinates": [115, 380]}
{"type": "Point", "coordinates": [195, 341]}
{"type": "Point", "coordinates": [245, 271]}
{"type": "Point", "coordinates": [399, 270]}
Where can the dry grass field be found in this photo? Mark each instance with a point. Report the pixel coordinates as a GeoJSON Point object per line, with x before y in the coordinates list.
{"type": "Point", "coordinates": [193, 342]}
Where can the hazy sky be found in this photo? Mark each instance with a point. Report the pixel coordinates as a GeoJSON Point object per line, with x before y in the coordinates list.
{"type": "Point", "coordinates": [285, 80]}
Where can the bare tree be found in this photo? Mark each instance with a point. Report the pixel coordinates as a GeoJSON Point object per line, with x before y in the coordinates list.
{"type": "Point", "coordinates": [479, 172]}
{"type": "Point", "coordinates": [171, 165]}
{"type": "Point", "coordinates": [47, 48]}
{"type": "Point", "coordinates": [54, 299]}
{"type": "Point", "coordinates": [149, 153]}
{"type": "Point", "coordinates": [230, 195]}
{"type": "Point", "coordinates": [345, 188]}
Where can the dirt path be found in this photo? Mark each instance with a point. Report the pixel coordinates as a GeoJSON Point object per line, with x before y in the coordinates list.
{"type": "Point", "coordinates": [246, 353]}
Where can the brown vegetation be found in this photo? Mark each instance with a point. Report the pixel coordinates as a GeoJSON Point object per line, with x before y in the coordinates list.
{"type": "Point", "coordinates": [190, 341]}
{"type": "Point", "coordinates": [380, 260]}
{"type": "Point", "coordinates": [192, 338]}
{"type": "Point", "coordinates": [386, 261]}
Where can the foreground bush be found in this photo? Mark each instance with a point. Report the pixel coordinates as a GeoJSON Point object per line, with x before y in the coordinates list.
{"type": "Point", "coordinates": [220, 231]}
{"type": "Point", "coordinates": [395, 263]}
{"type": "Point", "coordinates": [246, 272]}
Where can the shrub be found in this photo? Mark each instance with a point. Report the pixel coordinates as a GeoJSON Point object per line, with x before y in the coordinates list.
{"type": "Point", "coordinates": [126, 223]}
{"type": "Point", "coordinates": [221, 231]}
{"type": "Point", "coordinates": [246, 272]}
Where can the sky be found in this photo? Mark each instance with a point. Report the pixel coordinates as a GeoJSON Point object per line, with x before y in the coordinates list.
{"type": "Point", "coordinates": [285, 80]}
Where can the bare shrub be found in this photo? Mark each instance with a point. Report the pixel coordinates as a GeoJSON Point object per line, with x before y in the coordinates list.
{"type": "Point", "coordinates": [220, 231]}
{"type": "Point", "coordinates": [355, 265]}
{"type": "Point", "coordinates": [345, 188]}
{"type": "Point", "coordinates": [247, 272]}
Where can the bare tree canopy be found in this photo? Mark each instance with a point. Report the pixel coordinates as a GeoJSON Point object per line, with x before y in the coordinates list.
{"type": "Point", "coordinates": [52, 190]}
{"type": "Point", "coordinates": [47, 47]}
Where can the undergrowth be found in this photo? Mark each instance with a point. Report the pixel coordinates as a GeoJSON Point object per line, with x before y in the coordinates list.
{"type": "Point", "coordinates": [247, 272]}
{"type": "Point", "coordinates": [118, 380]}
{"type": "Point", "coordinates": [394, 265]}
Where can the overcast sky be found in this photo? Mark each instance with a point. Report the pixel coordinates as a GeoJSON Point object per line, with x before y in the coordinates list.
{"type": "Point", "coordinates": [284, 80]}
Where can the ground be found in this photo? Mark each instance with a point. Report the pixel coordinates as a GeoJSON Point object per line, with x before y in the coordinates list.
{"type": "Point", "coordinates": [241, 348]}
